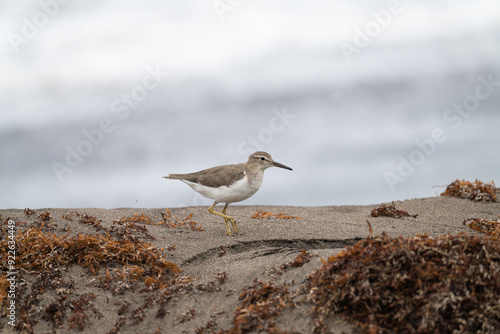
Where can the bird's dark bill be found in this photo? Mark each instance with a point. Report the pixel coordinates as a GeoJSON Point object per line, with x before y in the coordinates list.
{"type": "Point", "coordinates": [277, 164]}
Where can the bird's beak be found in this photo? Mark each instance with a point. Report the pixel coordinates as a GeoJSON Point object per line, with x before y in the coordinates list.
{"type": "Point", "coordinates": [277, 164]}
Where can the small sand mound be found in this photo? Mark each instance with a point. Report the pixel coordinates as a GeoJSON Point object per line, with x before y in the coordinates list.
{"type": "Point", "coordinates": [412, 285]}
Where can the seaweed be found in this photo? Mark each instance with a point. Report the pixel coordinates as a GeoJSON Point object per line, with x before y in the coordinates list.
{"type": "Point", "coordinates": [78, 318]}
{"type": "Point", "coordinates": [488, 227]}
{"type": "Point", "coordinates": [43, 251]}
{"type": "Point", "coordinates": [171, 221]}
{"type": "Point", "coordinates": [45, 280]}
{"type": "Point", "coordinates": [28, 212]}
{"type": "Point", "coordinates": [138, 314]}
{"type": "Point", "coordinates": [260, 305]}
{"type": "Point", "coordinates": [127, 260]}
{"type": "Point", "coordinates": [87, 220]}
{"type": "Point", "coordinates": [411, 285]}
{"type": "Point", "coordinates": [125, 228]}
{"type": "Point", "coordinates": [263, 302]}
{"type": "Point", "coordinates": [118, 325]}
{"type": "Point", "coordinates": [221, 277]}
{"type": "Point", "coordinates": [286, 216]}
{"type": "Point", "coordinates": [222, 251]}
{"type": "Point", "coordinates": [135, 219]}
{"type": "Point", "coordinates": [4, 285]}
{"type": "Point", "coordinates": [259, 214]}
{"type": "Point", "coordinates": [475, 191]}
{"type": "Point", "coordinates": [45, 217]}
{"type": "Point", "coordinates": [390, 211]}
{"type": "Point", "coordinates": [298, 262]}
{"type": "Point", "coordinates": [56, 311]}
{"type": "Point", "coordinates": [187, 316]}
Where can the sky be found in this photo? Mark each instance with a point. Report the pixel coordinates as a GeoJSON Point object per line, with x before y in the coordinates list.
{"type": "Point", "coordinates": [368, 101]}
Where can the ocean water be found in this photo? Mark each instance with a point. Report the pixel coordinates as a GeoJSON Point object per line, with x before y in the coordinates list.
{"type": "Point", "coordinates": [368, 102]}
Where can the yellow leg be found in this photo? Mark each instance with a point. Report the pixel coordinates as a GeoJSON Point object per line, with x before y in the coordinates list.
{"type": "Point", "coordinates": [233, 222]}
{"type": "Point", "coordinates": [226, 218]}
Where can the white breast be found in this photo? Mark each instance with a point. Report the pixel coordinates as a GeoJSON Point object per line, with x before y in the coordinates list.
{"type": "Point", "coordinates": [236, 192]}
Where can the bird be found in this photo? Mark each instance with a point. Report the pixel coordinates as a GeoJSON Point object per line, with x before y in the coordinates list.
{"type": "Point", "coordinates": [230, 183]}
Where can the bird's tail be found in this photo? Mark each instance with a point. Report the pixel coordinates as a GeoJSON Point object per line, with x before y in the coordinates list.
{"type": "Point", "coordinates": [173, 176]}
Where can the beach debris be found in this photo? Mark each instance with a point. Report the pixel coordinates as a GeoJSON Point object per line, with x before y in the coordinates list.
{"type": "Point", "coordinates": [91, 220]}
{"type": "Point", "coordinates": [44, 221]}
{"type": "Point", "coordinates": [286, 216]}
{"type": "Point", "coordinates": [55, 312]}
{"type": "Point", "coordinates": [222, 251]}
{"type": "Point", "coordinates": [185, 317]}
{"type": "Point", "coordinates": [488, 227]}
{"type": "Point", "coordinates": [45, 217]}
{"type": "Point", "coordinates": [171, 221]}
{"type": "Point", "coordinates": [259, 214]}
{"type": "Point", "coordinates": [298, 262]}
{"type": "Point", "coordinates": [411, 285]}
{"type": "Point", "coordinates": [78, 318]}
{"type": "Point", "coordinates": [136, 218]}
{"type": "Point", "coordinates": [476, 191]}
{"type": "Point", "coordinates": [301, 259]}
{"type": "Point", "coordinates": [390, 211]}
{"type": "Point", "coordinates": [131, 228]}
{"type": "Point", "coordinates": [221, 277]}
{"type": "Point", "coordinates": [45, 256]}
{"type": "Point", "coordinates": [118, 325]}
{"type": "Point", "coordinates": [28, 212]}
{"type": "Point", "coordinates": [122, 229]}
{"type": "Point", "coordinates": [138, 314]}
{"type": "Point", "coordinates": [370, 229]}
{"type": "Point", "coordinates": [4, 286]}
{"type": "Point", "coordinates": [184, 286]}
{"type": "Point", "coordinates": [42, 251]}
{"type": "Point", "coordinates": [209, 327]}
{"type": "Point", "coordinates": [261, 303]}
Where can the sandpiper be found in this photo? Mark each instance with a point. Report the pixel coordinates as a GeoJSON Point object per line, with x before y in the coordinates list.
{"type": "Point", "coordinates": [230, 183]}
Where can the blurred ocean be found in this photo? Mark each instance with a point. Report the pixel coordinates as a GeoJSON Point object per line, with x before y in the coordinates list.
{"type": "Point", "coordinates": [368, 101]}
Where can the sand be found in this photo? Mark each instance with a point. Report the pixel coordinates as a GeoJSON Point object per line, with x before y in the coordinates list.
{"type": "Point", "coordinates": [261, 245]}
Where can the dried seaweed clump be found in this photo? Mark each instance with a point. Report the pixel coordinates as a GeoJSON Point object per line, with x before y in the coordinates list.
{"type": "Point", "coordinates": [4, 286]}
{"type": "Point", "coordinates": [298, 262]}
{"type": "Point", "coordinates": [391, 211]}
{"type": "Point", "coordinates": [490, 228]}
{"type": "Point", "coordinates": [188, 222]}
{"type": "Point", "coordinates": [260, 305]}
{"type": "Point", "coordinates": [45, 251]}
{"type": "Point", "coordinates": [477, 191]}
{"type": "Point", "coordinates": [447, 284]}
{"type": "Point", "coordinates": [263, 303]}
{"type": "Point", "coordinates": [259, 214]}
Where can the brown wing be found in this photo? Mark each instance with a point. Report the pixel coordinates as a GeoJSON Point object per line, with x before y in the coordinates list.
{"type": "Point", "coordinates": [214, 177]}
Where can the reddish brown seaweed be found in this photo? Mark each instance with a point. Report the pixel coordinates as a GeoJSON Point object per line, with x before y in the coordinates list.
{"type": "Point", "coordinates": [475, 191]}
{"type": "Point", "coordinates": [391, 211]}
{"type": "Point", "coordinates": [412, 285]}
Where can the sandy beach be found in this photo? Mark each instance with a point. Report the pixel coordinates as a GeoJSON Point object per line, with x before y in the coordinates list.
{"type": "Point", "coordinates": [216, 269]}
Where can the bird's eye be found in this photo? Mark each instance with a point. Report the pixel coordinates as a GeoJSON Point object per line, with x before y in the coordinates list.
{"type": "Point", "coordinates": [262, 158]}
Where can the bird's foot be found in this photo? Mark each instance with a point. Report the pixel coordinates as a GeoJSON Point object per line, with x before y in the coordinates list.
{"type": "Point", "coordinates": [233, 224]}
{"type": "Point", "coordinates": [228, 230]}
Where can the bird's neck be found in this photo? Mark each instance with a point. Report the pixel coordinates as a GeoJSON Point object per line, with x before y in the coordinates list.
{"type": "Point", "coordinates": [255, 176]}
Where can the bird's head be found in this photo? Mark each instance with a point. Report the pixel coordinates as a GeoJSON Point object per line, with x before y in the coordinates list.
{"type": "Point", "coordinates": [264, 161]}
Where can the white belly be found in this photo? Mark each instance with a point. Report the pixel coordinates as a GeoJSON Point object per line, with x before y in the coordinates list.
{"type": "Point", "coordinates": [236, 192]}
